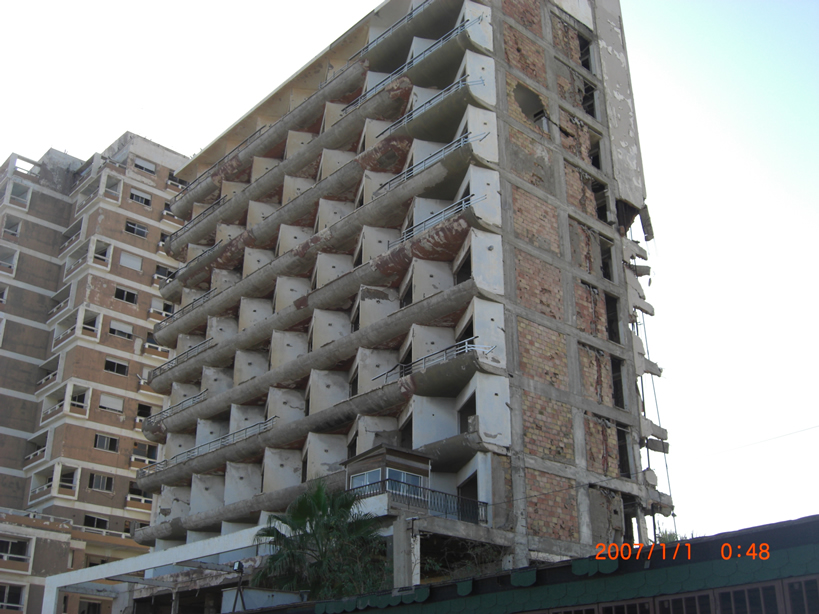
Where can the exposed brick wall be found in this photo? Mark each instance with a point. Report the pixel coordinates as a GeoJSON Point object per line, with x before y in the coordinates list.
{"type": "Point", "coordinates": [579, 190]}
{"type": "Point", "coordinates": [590, 305]}
{"type": "Point", "coordinates": [547, 428]}
{"type": "Point", "coordinates": [535, 221]}
{"type": "Point", "coordinates": [515, 110]}
{"type": "Point", "coordinates": [602, 454]}
{"type": "Point", "coordinates": [585, 245]}
{"type": "Point", "coordinates": [570, 86]}
{"type": "Point", "coordinates": [595, 367]}
{"type": "Point", "coordinates": [526, 13]}
{"type": "Point", "coordinates": [530, 161]}
{"type": "Point", "coordinates": [543, 354]}
{"type": "Point", "coordinates": [539, 285]}
{"type": "Point", "coordinates": [552, 514]}
{"type": "Point", "coordinates": [575, 137]}
{"type": "Point", "coordinates": [565, 38]}
{"type": "Point", "coordinates": [524, 54]}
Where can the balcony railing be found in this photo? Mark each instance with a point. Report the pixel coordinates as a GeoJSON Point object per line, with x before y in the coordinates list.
{"type": "Point", "coordinates": [216, 444]}
{"type": "Point", "coordinates": [199, 218]}
{"type": "Point", "coordinates": [58, 306]}
{"type": "Point", "coordinates": [37, 452]}
{"type": "Point", "coordinates": [390, 30]}
{"type": "Point", "coordinates": [105, 532]}
{"type": "Point", "coordinates": [33, 515]}
{"type": "Point", "coordinates": [138, 499]}
{"type": "Point", "coordinates": [434, 502]}
{"type": "Point", "coordinates": [462, 347]}
{"type": "Point", "coordinates": [53, 409]}
{"type": "Point", "coordinates": [185, 310]}
{"type": "Point", "coordinates": [453, 209]}
{"type": "Point", "coordinates": [184, 356]}
{"type": "Point", "coordinates": [174, 409]}
{"type": "Point", "coordinates": [70, 241]}
{"type": "Point", "coordinates": [409, 116]}
{"type": "Point", "coordinates": [429, 161]}
{"type": "Point", "coordinates": [401, 70]}
{"type": "Point", "coordinates": [47, 378]}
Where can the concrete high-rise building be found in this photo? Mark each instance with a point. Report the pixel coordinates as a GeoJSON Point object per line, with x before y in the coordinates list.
{"type": "Point", "coordinates": [410, 271]}
{"type": "Point", "coordinates": [80, 267]}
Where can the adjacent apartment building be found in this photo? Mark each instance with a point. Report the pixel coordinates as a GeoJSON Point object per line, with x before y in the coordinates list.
{"type": "Point", "coordinates": [81, 261]}
{"type": "Point", "coordinates": [412, 271]}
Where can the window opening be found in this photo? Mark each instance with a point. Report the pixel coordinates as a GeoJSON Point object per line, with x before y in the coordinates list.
{"type": "Point", "coordinates": [114, 366]}
{"type": "Point", "coordinates": [145, 166]}
{"type": "Point", "coordinates": [594, 150]}
{"type": "Point", "coordinates": [606, 260]}
{"type": "Point", "coordinates": [468, 495]}
{"type": "Point", "coordinates": [467, 410]}
{"type": "Point", "coordinates": [11, 597]}
{"type": "Point", "coordinates": [111, 403]}
{"type": "Point", "coordinates": [130, 261]}
{"type": "Point", "coordinates": [100, 482]}
{"type": "Point", "coordinates": [352, 448]}
{"type": "Point", "coordinates": [304, 468]}
{"type": "Point", "coordinates": [67, 479]}
{"type": "Point", "coordinates": [803, 596]}
{"type": "Point", "coordinates": [406, 298]}
{"type": "Point", "coordinates": [125, 295]}
{"type": "Point", "coordinates": [588, 99]}
{"type": "Point", "coordinates": [406, 435]}
{"type": "Point", "coordinates": [145, 450]}
{"type": "Point", "coordinates": [143, 411]}
{"type": "Point", "coordinates": [754, 600]}
{"type": "Point", "coordinates": [103, 442]}
{"type": "Point", "coordinates": [354, 384]}
{"type": "Point", "coordinates": [11, 227]}
{"type": "Point", "coordinates": [617, 383]}
{"type": "Point", "coordinates": [585, 52]}
{"type": "Point", "coordinates": [136, 229]}
{"type": "Point", "coordinates": [695, 604]}
{"type": "Point", "coordinates": [118, 329]}
{"type": "Point", "coordinates": [601, 200]}
{"type": "Point", "coordinates": [612, 319]}
{"type": "Point", "coordinates": [624, 452]}
{"type": "Point", "coordinates": [355, 320]}
{"type": "Point", "coordinates": [140, 197]}
{"type": "Point", "coordinates": [464, 272]}
{"type": "Point", "coordinates": [13, 550]}
{"type": "Point", "coordinates": [363, 479]}
{"type": "Point", "coordinates": [635, 607]}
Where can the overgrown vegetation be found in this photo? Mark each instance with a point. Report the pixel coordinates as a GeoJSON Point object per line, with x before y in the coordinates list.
{"type": "Point", "coordinates": [323, 543]}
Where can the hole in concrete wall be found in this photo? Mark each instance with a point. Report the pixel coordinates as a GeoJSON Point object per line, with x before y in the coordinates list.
{"type": "Point", "coordinates": [468, 409]}
{"type": "Point", "coordinates": [612, 319]}
{"type": "Point", "coordinates": [594, 150]}
{"type": "Point", "coordinates": [464, 272]}
{"type": "Point", "coordinates": [601, 200]}
{"type": "Point", "coordinates": [618, 396]}
{"type": "Point", "coordinates": [626, 213]}
{"type": "Point", "coordinates": [406, 435]}
{"type": "Point", "coordinates": [532, 106]}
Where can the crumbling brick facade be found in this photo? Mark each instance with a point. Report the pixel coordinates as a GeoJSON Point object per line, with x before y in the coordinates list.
{"type": "Point", "coordinates": [539, 285]}
{"type": "Point", "coordinates": [535, 221]}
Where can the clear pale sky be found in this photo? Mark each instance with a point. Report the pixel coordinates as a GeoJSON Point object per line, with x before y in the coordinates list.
{"type": "Point", "coordinates": [726, 94]}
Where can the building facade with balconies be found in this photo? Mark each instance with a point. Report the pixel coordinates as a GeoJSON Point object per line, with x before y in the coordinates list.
{"type": "Point", "coordinates": [80, 294]}
{"type": "Point", "coordinates": [411, 271]}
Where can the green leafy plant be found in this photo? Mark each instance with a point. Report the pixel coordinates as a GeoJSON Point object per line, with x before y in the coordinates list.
{"type": "Point", "coordinates": [323, 543]}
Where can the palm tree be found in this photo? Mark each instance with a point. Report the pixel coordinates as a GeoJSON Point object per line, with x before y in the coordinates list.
{"type": "Point", "coordinates": [323, 544]}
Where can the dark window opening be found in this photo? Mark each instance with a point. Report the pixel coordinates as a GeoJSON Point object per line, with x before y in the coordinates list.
{"type": "Point", "coordinates": [125, 295]}
{"type": "Point", "coordinates": [103, 442]}
{"type": "Point", "coordinates": [112, 366]}
{"type": "Point", "coordinates": [354, 385]}
{"type": "Point", "coordinates": [804, 597]}
{"type": "Point", "coordinates": [352, 446]}
{"type": "Point", "coordinates": [464, 272]}
{"type": "Point", "coordinates": [304, 469]}
{"type": "Point", "coordinates": [638, 607]}
{"type": "Point", "coordinates": [594, 151]}
{"type": "Point", "coordinates": [467, 410]}
{"type": "Point", "coordinates": [406, 298]}
{"type": "Point", "coordinates": [359, 258]}
{"type": "Point", "coordinates": [756, 600]}
{"type": "Point", "coordinates": [468, 493]}
{"type": "Point", "coordinates": [406, 435]}
{"type": "Point", "coordinates": [612, 319]}
{"type": "Point", "coordinates": [696, 604]}
{"type": "Point", "coordinates": [601, 200]}
{"type": "Point", "coordinates": [589, 105]}
{"type": "Point", "coordinates": [606, 260]}
{"type": "Point", "coordinates": [623, 450]}
{"type": "Point", "coordinates": [617, 383]}
{"type": "Point", "coordinates": [67, 480]}
{"type": "Point", "coordinates": [143, 411]}
{"type": "Point", "coordinates": [467, 333]}
{"type": "Point", "coordinates": [355, 321]}
{"type": "Point", "coordinates": [145, 450]}
{"type": "Point", "coordinates": [585, 52]}
{"type": "Point", "coordinates": [307, 405]}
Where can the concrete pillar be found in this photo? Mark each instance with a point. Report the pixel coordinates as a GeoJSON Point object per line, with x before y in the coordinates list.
{"type": "Point", "coordinates": [406, 553]}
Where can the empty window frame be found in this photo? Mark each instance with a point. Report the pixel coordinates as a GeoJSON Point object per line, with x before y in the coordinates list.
{"type": "Point", "coordinates": [691, 604]}
{"type": "Point", "coordinates": [19, 194]}
{"type": "Point", "coordinates": [606, 259]}
{"type": "Point", "coordinates": [104, 442]}
{"type": "Point", "coordinates": [145, 166]}
{"type": "Point", "coordinates": [618, 396]}
{"type": "Point", "coordinates": [466, 411]}
{"type": "Point", "coordinates": [11, 227]}
{"type": "Point", "coordinates": [91, 607]}
{"type": "Point", "coordinates": [601, 200]}
{"type": "Point", "coordinates": [803, 596]}
{"type": "Point", "coordinates": [624, 452]}
{"type": "Point", "coordinates": [14, 550]}
{"type": "Point", "coordinates": [136, 229]}
{"type": "Point", "coordinates": [111, 403]}
{"type": "Point", "coordinates": [120, 329]}
{"type": "Point", "coordinates": [145, 450]}
{"type": "Point", "coordinates": [164, 307]}
{"type": "Point", "coordinates": [594, 149]}
{"type": "Point", "coordinates": [95, 522]}
{"type": "Point", "coordinates": [612, 319]}
{"type": "Point", "coordinates": [128, 296]}
{"type": "Point", "coordinates": [632, 607]}
{"type": "Point", "coordinates": [749, 600]}
{"type": "Point", "coordinates": [143, 410]}
{"type": "Point", "coordinates": [532, 107]}
{"type": "Point", "coordinates": [115, 366]}
{"type": "Point", "coordinates": [464, 270]}
{"type": "Point", "coordinates": [172, 178]}
{"type": "Point", "coordinates": [100, 482]}
{"type": "Point", "coordinates": [129, 261]}
{"type": "Point", "coordinates": [11, 597]}
{"type": "Point", "coordinates": [140, 197]}
{"type": "Point", "coordinates": [589, 99]}
{"type": "Point", "coordinates": [585, 52]}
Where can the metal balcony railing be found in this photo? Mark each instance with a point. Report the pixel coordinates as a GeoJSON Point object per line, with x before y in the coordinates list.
{"type": "Point", "coordinates": [185, 310]}
{"type": "Point", "coordinates": [429, 161]}
{"type": "Point", "coordinates": [409, 116]}
{"type": "Point", "coordinates": [462, 347]}
{"type": "Point", "coordinates": [401, 70]}
{"type": "Point", "coordinates": [174, 409]}
{"type": "Point", "coordinates": [184, 356]}
{"type": "Point", "coordinates": [199, 218]}
{"type": "Point", "coordinates": [211, 446]}
{"type": "Point", "coordinates": [390, 30]}
{"type": "Point", "coordinates": [436, 503]}
{"type": "Point", "coordinates": [105, 532]}
{"type": "Point", "coordinates": [34, 515]}
{"type": "Point", "coordinates": [176, 273]}
{"type": "Point", "coordinates": [453, 209]}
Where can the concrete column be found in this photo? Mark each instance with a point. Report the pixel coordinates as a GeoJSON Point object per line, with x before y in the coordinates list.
{"type": "Point", "coordinates": [406, 553]}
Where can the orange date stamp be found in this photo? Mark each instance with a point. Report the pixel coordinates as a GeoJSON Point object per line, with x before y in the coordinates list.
{"type": "Point", "coordinates": [675, 551]}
